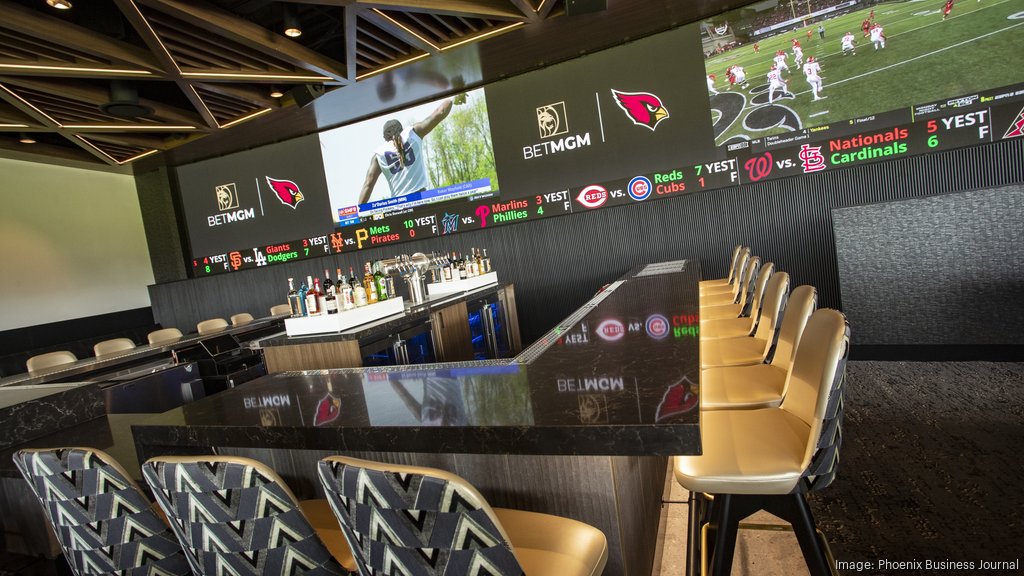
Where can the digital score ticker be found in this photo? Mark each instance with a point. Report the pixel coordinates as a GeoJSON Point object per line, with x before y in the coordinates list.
{"type": "Point", "coordinates": [954, 124]}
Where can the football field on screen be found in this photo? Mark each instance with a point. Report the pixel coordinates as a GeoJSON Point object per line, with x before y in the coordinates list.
{"type": "Point", "coordinates": [978, 47]}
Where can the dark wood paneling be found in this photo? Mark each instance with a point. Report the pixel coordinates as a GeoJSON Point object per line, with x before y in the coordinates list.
{"type": "Point", "coordinates": [452, 340]}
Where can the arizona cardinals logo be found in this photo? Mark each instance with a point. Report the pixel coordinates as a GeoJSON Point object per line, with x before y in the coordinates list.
{"type": "Point", "coordinates": [678, 399]}
{"type": "Point", "coordinates": [327, 410]}
{"type": "Point", "coordinates": [643, 108]}
{"type": "Point", "coordinates": [287, 191]}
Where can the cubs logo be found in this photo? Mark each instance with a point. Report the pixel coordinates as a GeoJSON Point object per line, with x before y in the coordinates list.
{"type": "Point", "coordinates": [640, 188]}
{"type": "Point", "coordinates": [287, 191]}
{"type": "Point", "coordinates": [643, 108]}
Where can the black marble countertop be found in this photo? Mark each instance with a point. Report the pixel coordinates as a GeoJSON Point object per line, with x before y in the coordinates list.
{"type": "Point", "coordinates": [620, 377]}
{"type": "Point", "coordinates": [82, 368]}
{"type": "Point", "coordinates": [413, 313]}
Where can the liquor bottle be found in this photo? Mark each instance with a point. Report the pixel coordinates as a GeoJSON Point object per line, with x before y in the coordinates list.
{"type": "Point", "coordinates": [302, 299]}
{"type": "Point", "coordinates": [379, 282]}
{"type": "Point", "coordinates": [344, 293]}
{"type": "Point", "coordinates": [328, 284]}
{"type": "Point", "coordinates": [369, 284]}
{"type": "Point", "coordinates": [359, 298]}
{"type": "Point", "coordinates": [463, 273]}
{"type": "Point", "coordinates": [472, 267]}
{"type": "Point", "coordinates": [487, 261]}
{"type": "Point", "coordinates": [293, 299]}
{"type": "Point", "coordinates": [446, 270]}
{"type": "Point", "coordinates": [331, 301]}
{"type": "Point", "coordinates": [480, 262]}
{"type": "Point", "coordinates": [390, 279]}
{"type": "Point", "coordinates": [313, 296]}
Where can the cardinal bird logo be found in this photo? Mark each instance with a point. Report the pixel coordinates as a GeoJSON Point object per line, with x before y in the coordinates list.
{"type": "Point", "coordinates": [678, 399]}
{"type": "Point", "coordinates": [327, 410]}
{"type": "Point", "coordinates": [287, 191]}
{"type": "Point", "coordinates": [643, 108]}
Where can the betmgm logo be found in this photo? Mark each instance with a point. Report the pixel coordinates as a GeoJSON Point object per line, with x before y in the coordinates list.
{"type": "Point", "coordinates": [227, 196]}
{"type": "Point", "coordinates": [551, 120]}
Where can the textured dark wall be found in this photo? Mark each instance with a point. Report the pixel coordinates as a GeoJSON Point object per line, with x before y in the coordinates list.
{"type": "Point", "coordinates": [931, 271]}
{"type": "Point", "coordinates": [558, 263]}
{"type": "Point", "coordinates": [156, 200]}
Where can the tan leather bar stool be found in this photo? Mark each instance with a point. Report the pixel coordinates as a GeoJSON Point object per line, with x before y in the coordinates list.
{"type": "Point", "coordinates": [730, 320]}
{"type": "Point", "coordinates": [436, 521]}
{"type": "Point", "coordinates": [102, 520]}
{"type": "Point", "coordinates": [744, 287]}
{"type": "Point", "coordinates": [109, 347]}
{"type": "Point", "coordinates": [241, 318]}
{"type": "Point", "coordinates": [231, 514]}
{"type": "Point", "coordinates": [754, 349]}
{"type": "Point", "coordinates": [163, 335]}
{"type": "Point", "coordinates": [42, 362]}
{"type": "Point", "coordinates": [760, 385]}
{"type": "Point", "coordinates": [733, 288]}
{"type": "Point", "coordinates": [281, 310]}
{"type": "Point", "coordinates": [719, 282]}
{"type": "Point", "coordinates": [210, 326]}
{"type": "Point", "coordinates": [768, 459]}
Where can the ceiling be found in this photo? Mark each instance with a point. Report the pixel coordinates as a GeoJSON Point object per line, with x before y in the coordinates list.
{"type": "Point", "coordinates": [115, 81]}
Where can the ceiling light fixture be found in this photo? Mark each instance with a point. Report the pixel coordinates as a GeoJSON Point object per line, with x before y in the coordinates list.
{"type": "Point", "coordinates": [59, 4]}
{"type": "Point", "coordinates": [291, 22]}
{"type": "Point", "coordinates": [248, 117]}
{"type": "Point", "coordinates": [26, 139]}
{"type": "Point", "coordinates": [276, 92]}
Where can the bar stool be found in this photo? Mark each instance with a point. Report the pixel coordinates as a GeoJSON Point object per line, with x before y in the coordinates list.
{"type": "Point", "coordinates": [210, 326]}
{"type": "Point", "coordinates": [241, 318]}
{"type": "Point", "coordinates": [415, 520]}
{"type": "Point", "coordinates": [42, 362]}
{"type": "Point", "coordinates": [741, 268]}
{"type": "Point", "coordinates": [718, 282]}
{"type": "Point", "coordinates": [744, 286]}
{"type": "Point", "coordinates": [235, 515]}
{"type": "Point", "coordinates": [163, 335]}
{"type": "Point", "coordinates": [104, 523]}
{"type": "Point", "coordinates": [108, 347]}
{"type": "Point", "coordinates": [281, 310]}
{"type": "Point", "coordinates": [754, 349]}
{"type": "Point", "coordinates": [760, 385]}
{"type": "Point", "coordinates": [768, 459]}
{"type": "Point", "coordinates": [730, 320]}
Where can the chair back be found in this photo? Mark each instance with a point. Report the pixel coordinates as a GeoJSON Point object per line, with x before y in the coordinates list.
{"type": "Point", "coordinates": [776, 294]}
{"type": "Point", "coordinates": [280, 310]}
{"type": "Point", "coordinates": [103, 521]}
{"type": "Point", "coordinates": [108, 347]}
{"type": "Point", "coordinates": [815, 393]}
{"type": "Point", "coordinates": [49, 360]}
{"type": "Point", "coordinates": [733, 261]}
{"type": "Point", "coordinates": [752, 300]}
{"type": "Point", "coordinates": [241, 318]}
{"type": "Point", "coordinates": [746, 285]}
{"type": "Point", "coordinates": [741, 271]}
{"type": "Point", "coordinates": [799, 307]}
{"type": "Point", "coordinates": [211, 325]}
{"type": "Point", "coordinates": [426, 520]}
{"type": "Point", "coordinates": [163, 335]}
{"type": "Point", "coordinates": [234, 515]}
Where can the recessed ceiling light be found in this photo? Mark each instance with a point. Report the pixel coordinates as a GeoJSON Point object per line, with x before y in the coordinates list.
{"type": "Point", "coordinates": [291, 22]}
{"type": "Point", "coordinates": [59, 4]}
{"type": "Point", "coordinates": [276, 92]}
{"type": "Point", "coordinates": [26, 139]}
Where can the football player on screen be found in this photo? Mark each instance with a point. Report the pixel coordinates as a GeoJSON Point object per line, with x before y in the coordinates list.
{"type": "Point", "coordinates": [877, 36]}
{"type": "Point", "coordinates": [780, 62]}
{"type": "Point", "coordinates": [812, 70]}
{"type": "Point", "coordinates": [401, 157]}
{"type": "Point", "coordinates": [775, 82]}
{"type": "Point", "coordinates": [848, 44]}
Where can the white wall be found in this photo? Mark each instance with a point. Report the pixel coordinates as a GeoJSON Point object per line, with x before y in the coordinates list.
{"type": "Point", "coordinates": [72, 244]}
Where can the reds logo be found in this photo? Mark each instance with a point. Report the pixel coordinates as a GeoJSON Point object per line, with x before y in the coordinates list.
{"type": "Point", "coordinates": [759, 167]}
{"type": "Point", "coordinates": [287, 191]}
{"type": "Point", "coordinates": [643, 108]}
{"type": "Point", "coordinates": [592, 196]}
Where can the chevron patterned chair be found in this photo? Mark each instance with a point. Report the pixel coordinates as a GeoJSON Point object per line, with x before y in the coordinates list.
{"type": "Point", "coordinates": [103, 521]}
{"type": "Point", "coordinates": [236, 516]}
{"type": "Point", "coordinates": [420, 521]}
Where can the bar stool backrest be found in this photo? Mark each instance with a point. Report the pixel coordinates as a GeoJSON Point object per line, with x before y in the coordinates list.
{"type": "Point", "coordinates": [241, 318]}
{"type": "Point", "coordinates": [734, 261]}
{"type": "Point", "coordinates": [234, 515]}
{"type": "Point", "coordinates": [108, 347]}
{"type": "Point", "coordinates": [752, 300]}
{"type": "Point", "coordinates": [103, 521]}
{"type": "Point", "coordinates": [775, 298]}
{"type": "Point", "coordinates": [741, 270]}
{"type": "Point", "coordinates": [799, 307]}
{"type": "Point", "coordinates": [280, 309]}
{"type": "Point", "coordinates": [815, 393]}
{"type": "Point", "coordinates": [211, 325]}
{"type": "Point", "coordinates": [429, 520]}
{"type": "Point", "coordinates": [49, 360]}
{"type": "Point", "coordinates": [746, 285]}
{"type": "Point", "coordinates": [163, 335]}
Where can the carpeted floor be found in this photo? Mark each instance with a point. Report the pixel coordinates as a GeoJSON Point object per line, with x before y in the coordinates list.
{"type": "Point", "coordinates": [931, 467]}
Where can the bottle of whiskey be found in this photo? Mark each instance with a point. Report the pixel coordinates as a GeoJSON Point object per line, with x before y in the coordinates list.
{"type": "Point", "coordinates": [480, 262]}
{"type": "Point", "coordinates": [446, 270]}
{"type": "Point", "coordinates": [463, 273]}
{"type": "Point", "coordinates": [370, 284]}
{"type": "Point", "coordinates": [331, 301]}
{"type": "Point", "coordinates": [313, 298]}
{"type": "Point", "coordinates": [293, 299]}
{"type": "Point", "coordinates": [328, 284]}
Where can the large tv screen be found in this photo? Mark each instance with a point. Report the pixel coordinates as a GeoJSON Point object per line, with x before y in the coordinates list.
{"type": "Point", "coordinates": [429, 153]}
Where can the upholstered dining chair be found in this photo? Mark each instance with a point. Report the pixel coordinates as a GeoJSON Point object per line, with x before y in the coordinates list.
{"type": "Point", "coordinates": [235, 515]}
{"type": "Point", "coordinates": [719, 282]}
{"type": "Point", "coordinates": [733, 287]}
{"type": "Point", "coordinates": [211, 325]}
{"type": "Point", "coordinates": [755, 349]}
{"type": "Point", "coordinates": [102, 520]}
{"type": "Point", "coordinates": [770, 458]}
{"type": "Point", "coordinates": [42, 362]}
{"type": "Point", "coordinates": [426, 522]}
{"type": "Point", "coordinates": [113, 346]}
{"type": "Point", "coordinates": [741, 319]}
{"type": "Point", "coordinates": [163, 335]}
{"type": "Point", "coordinates": [760, 385]}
